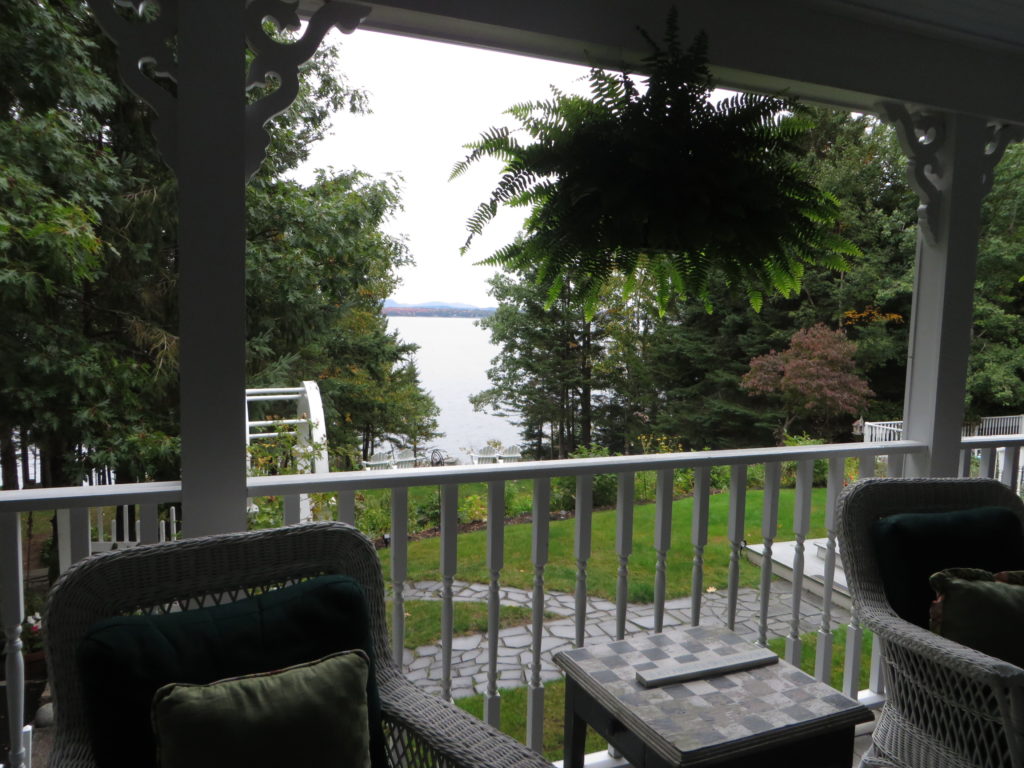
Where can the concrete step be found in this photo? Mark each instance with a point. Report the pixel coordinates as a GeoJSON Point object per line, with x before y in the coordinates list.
{"type": "Point", "coordinates": [815, 552]}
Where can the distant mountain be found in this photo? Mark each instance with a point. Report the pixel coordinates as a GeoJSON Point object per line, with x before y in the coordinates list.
{"type": "Point", "coordinates": [389, 303]}
{"type": "Point", "coordinates": [435, 309]}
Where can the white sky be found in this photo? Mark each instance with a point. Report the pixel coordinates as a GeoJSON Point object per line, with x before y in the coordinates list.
{"type": "Point", "coordinates": [428, 100]}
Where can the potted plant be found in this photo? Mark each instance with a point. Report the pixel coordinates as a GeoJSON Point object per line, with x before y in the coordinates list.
{"type": "Point", "coordinates": [661, 183]}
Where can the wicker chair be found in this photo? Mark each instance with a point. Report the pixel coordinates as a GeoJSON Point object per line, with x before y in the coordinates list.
{"type": "Point", "coordinates": [946, 704]}
{"type": "Point", "coordinates": [421, 730]}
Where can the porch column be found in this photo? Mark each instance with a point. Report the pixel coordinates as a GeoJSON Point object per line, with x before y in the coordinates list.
{"type": "Point", "coordinates": [188, 62]}
{"type": "Point", "coordinates": [211, 264]}
{"type": "Point", "coordinates": [952, 158]}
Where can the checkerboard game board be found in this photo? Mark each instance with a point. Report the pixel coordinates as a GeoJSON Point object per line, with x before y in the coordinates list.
{"type": "Point", "coordinates": [688, 722]}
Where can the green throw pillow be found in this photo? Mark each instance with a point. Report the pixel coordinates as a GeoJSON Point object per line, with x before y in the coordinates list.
{"type": "Point", "coordinates": [123, 661]}
{"type": "Point", "coordinates": [981, 610]}
{"type": "Point", "coordinates": [911, 546]}
{"type": "Point", "coordinates": [310, 715]}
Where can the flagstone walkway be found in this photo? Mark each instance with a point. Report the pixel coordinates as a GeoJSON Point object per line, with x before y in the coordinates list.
{"type": "Point", "coordinates": [515, 645]}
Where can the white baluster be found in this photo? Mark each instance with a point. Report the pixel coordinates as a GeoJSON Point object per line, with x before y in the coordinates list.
{"type": "Point", "coordinates": [583, 523]}
{"type": "Point", "coordinates": [988, 463]}
{"type": "Point", "coordinates": [737, 521]}
{"type": "Point", "coordinates": [12, 613]}
{"type": "Point", "coordinates": [399, 568]}
{"type": "Point", "coordinates": [801, 524]}
{"type": "Point", "coordinates": [623, 547]}
{"type": "Point", "coordinates": [769, 525]}
{"type": "Point", "coordinates": [851, 662]}
{"type": "Point", "coordinates": [541, 538]}
{"type": "Point", "coordinates": [292, 509]}
{"type": "Point", "coordinates": [1011, 467]}
{"type": "Point", "coordinates": [699, 538]}
{"type": "Point", "coordinates": [662, 541]}
{"type": "Point", "coordinates": [449, 564]}
{"type": "Point", "coordinates": [495, 562]}
{"type": "Point", "coordinates": [347, 507]}
{"type": "Point", "coordinates": [149, 524]}
{"type": "Point", "coordinates": [823, 651]}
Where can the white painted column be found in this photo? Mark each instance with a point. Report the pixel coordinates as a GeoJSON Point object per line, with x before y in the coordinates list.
{"type": "Point", "coordinates": [951, 162]}
{"type": "Point", "coordinates": [211, 169]}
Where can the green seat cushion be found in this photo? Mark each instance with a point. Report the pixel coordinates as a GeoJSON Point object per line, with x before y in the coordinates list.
{"type": "Point", "coordinates": [124, 660]}
{"type": "Point", "coordinates": [311, 715]}
{"type": "Point", "coordinates": [981, 610]}
{"type": "Point", "coordinates": [911, 546]}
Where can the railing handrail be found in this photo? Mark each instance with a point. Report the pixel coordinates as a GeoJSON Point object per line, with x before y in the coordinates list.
{"type": "Point", "coordinates": [31, 499]}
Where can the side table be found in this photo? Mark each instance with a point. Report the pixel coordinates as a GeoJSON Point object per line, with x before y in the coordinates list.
{"type": "Point", "coordinates": [768, 715]}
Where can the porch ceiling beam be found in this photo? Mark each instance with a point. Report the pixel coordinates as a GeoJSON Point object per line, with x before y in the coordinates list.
{"type": "Point", "coordinates": [833, 52]}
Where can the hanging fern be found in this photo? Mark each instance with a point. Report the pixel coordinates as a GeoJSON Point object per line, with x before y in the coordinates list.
{"type": "Point", "coordinates": [663, 183]}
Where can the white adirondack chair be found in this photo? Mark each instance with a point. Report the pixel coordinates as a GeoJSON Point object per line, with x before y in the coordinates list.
{"type": "Point", "coordinates": [486, 455]}
{"type": "Point", "coordinates": [510, 454]}
{"type": "Point", "coordinates": [405, 459]}
{"type": "Point", "coordinates": [379, 460]}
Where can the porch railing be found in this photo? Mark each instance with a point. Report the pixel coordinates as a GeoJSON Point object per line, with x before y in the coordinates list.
{"type": "Point", "coordinates": [997, 456]}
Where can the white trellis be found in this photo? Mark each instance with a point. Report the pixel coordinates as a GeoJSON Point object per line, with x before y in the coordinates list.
{"type": "Point", "coordinates": [307, 425]}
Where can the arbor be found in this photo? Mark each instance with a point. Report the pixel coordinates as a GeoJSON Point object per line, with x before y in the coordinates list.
{"type": "Point", "coordinates": [813, 380]}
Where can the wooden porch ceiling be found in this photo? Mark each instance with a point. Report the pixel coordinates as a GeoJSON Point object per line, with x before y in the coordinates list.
{"type": "Point", "coordinates": [957, 55]}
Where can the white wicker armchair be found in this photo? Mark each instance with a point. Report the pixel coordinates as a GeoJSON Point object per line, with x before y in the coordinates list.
{"type": "Point", "coordinates": [421, 730]}
{"type": "Point", "coordinates": [946, 704]}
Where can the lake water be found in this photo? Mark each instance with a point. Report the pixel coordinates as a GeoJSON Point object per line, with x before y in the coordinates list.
{"type": "Point", "coordinates": [453, 359]}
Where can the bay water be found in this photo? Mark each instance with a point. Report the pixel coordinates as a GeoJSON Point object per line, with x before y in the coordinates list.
{"type": "Point", "coordinates": [453, 357]}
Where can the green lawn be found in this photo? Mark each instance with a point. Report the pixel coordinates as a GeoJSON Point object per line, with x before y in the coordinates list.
{"type": "Point", "coordinates": [423, 619]}
{"type": "Point", "coordinates": [513, 717]}
{"type": "Point", "coordinates": [560, 574]}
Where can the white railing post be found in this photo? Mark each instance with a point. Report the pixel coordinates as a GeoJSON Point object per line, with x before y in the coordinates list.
{"type": "Point", "coordinates": [347, 507]}
{"type": "Point", "coordinates": [769, 525]}
{"type": "Point", "coordinates": [801, 524]}
{"type": "Point", "coordinates": [449, 565]}
{"type": "Point", "coordinates": [823, 651]}
{"type": "Point", "coordinates": [541, 526]}
{"type": "Point", "coordinates": [699, 538]}
{"type": "Point", "coordinates": [662, 541]}
{"type": "Point", "coordinates": [584, 526]}
{"type": "Point", "coordinates": [495, 562]}
{"type": "Point", "coordinates": [399, 569]}
{"type": "Point", "coordinates": [623, 547]}
{"type": "Point", "coordinates": [12, 613]}
{"type": "Point", "coordinates": [737, 520]}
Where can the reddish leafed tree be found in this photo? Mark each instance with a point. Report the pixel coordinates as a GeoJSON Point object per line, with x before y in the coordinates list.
{"type": "Point", "coordinates": [814, 379]}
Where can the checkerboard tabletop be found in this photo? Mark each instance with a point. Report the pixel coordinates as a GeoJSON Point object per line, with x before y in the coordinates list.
{"type": "Point", "coordinates": [687, 723]}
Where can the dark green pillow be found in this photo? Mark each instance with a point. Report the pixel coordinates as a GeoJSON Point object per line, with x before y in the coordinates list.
{"type": "Point", "coordinates": [311, 714]}
{"type": "Point", "coordinates": [124, 660]}
{"type": "Point", "coordinates": [980, 610]}
{"type": "Point", "coordinates": [911, 546]}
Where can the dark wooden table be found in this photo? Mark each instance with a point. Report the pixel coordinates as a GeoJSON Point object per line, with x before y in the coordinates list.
{"type": "Point", "coordinates": [770, 715]}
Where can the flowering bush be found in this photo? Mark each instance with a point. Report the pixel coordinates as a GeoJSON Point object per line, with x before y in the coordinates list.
{"type": "Point", "coordinates": [32, 633]}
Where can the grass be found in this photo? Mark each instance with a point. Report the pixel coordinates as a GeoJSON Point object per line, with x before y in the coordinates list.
{"type": "Point", "coordinates": [513, 717]}
{"type": "Point", "coordinates": [808, 651]}
{"type": "Point", "coordinates": [423, 619]}
{"type": "Point", "coordinates": [602, 566]}
{"type": "Point", "coordinates": [513, 700]}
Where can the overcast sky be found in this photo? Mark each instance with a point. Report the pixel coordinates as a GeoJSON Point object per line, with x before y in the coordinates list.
{"type": "Point", "coordinates": [428, 100]}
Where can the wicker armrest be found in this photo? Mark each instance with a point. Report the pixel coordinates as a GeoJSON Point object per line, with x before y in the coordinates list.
{"type": "Point", "coordinates": [940, 650]}
{"type": "Point", "coordinates": [428, 731]}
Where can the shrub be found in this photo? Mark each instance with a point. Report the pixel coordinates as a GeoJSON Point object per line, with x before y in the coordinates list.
{"type": "Point", "coordinates": [563, 489]}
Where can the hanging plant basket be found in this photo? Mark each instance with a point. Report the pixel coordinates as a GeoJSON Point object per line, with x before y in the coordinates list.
{"type": "Point", "coordinates": [660, 183]}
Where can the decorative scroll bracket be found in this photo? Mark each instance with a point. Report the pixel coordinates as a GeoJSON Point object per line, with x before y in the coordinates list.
{"type": "Point", "coordinates": [922, 136]}
{"type": "Point", "coordinates": [146, 60]}
{"type": "Point", "coordinates": [281, 61]}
